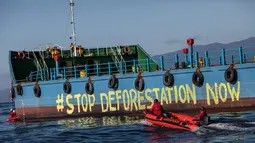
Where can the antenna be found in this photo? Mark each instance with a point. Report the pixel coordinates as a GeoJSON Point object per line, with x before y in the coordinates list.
{"type": "Point", "coordinates": [73, 25]}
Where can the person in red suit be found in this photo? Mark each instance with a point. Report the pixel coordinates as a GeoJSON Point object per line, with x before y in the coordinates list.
{"type": "Point", "coordinates": [157, 109]}
{"type": "Point", "coordinates": [201, 115]}
{"type": "Point", "coordinates": [12, 113]}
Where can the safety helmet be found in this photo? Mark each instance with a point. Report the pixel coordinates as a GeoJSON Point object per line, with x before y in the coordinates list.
{"type": "Point", "coordinates": [155, 100]}
{"type": "Point", "coordinates": [11, 110]}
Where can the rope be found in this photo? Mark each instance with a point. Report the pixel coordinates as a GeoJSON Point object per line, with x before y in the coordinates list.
{"type": "Point", "coordinates": [23, 104]}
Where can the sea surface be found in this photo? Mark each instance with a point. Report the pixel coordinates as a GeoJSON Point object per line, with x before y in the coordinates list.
{"type": "Point", "coordinates": [229, 127]}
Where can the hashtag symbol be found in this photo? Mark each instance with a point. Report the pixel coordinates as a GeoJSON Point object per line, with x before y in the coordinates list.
{"type": "Point", "coordinates": [59, 102]}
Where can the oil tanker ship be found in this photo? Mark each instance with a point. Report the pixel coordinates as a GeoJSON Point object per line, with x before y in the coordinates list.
{"type": "Point", "coordinates": [125, 79]}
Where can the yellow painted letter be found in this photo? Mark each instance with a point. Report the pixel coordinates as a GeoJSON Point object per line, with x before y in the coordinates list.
{"type": "Point", "coordinates": [169, 94]}
{"type": "Point", "coordinates": [156, 90]}
{"type": "Point", "coordinates": [182, 88]}
{"type": "Point", "coordinates": [163, 96]}
{"type": "Point", "coordinates": [233, 91]}
{"type": "Point", "coordinates": [214, 95]}
{"type": "Point", "coordinates": [69, 96]}
{"type": "Point", "coordinates": [126, 105]}
{"type": "Point", "coordinates": [102, 102]}
{"type": "Point", "coordinates": [84, 107]}
{"type": "Point", "coordinates": [140, 98]}
{"type": "Point", "coordinates": [223, 99]}
{"type": "Point", "coordinates": [191, 93]}
{"type": "Point", "coordinates": [133, 99]}
{"type": "Point", "coordinates": [77, 96]}
{"type": "Point", "coordinates": [118, 97]}
{"type": "Point", "coordinates": [148, 97]}
{"type": "Point", "coordinates": [110, 101]}
{"type": "Point", "coordinates": [91, 103]}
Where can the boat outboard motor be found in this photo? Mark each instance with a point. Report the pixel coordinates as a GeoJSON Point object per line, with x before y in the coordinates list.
{"type": "Point", "coordinates": [166, 115]}
{"type": "Point", "coordinates": [205, 120]}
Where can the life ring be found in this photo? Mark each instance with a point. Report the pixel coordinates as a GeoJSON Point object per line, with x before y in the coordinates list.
{"type": "Point", "coordinates": [198, 79]}
{"type": "Point", "coordinates": [126, 50]}
{"type": "Point", "coordinates": [168, 79]}
{"type": "Point", "coordinates": [19, 90]}
{"type": "Point", "coordinates": [37, 90]}
{"type": "Point", "coordinates": [67, 87]}
{"type": "Point", "coordinates": [12, 93]}
{"type": "Point", "coordinates": [230, 75]}
{"type": "Point", "coordinates": [113, 82]}
{"type": "Point", "coordinates": [21, 55]}
{"type": "Point", "coordinates": [89, 87]}
{"type": "Point", "coordinates": [139, 84]}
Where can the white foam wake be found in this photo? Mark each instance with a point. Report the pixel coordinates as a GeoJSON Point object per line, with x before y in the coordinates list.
{"type": "Point", "coordinates": [230, 127]}
{"type": "Point", "coordinates": [249, 122]}
{"type": "Point", "coordinates": [144, 122]}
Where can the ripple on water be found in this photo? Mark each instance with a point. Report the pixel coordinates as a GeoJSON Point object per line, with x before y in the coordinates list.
{"type": "Point", "coordinates": [234, 127]}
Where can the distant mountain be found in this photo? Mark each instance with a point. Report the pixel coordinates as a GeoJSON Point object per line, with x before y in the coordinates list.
{"type": "Point", "coordinates": [214, 50]}
{"type": "Point", "coordinates": [216, 46]}
{"type": "Point", "coordinates": [4, 95]}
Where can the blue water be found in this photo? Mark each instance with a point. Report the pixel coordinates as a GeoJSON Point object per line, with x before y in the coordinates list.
{"type": "Point", "coordinates": [230, 127]}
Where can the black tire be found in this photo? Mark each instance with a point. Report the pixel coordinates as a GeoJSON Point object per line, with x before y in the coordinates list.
{"type": "Point", "coordinates": [168, 79]}
{"type": "Point", "coordinates": [113, 82]}
{"type": "Point", "coordinates": [198, 79]}
{"type": "Point", "coordinates": [19, 90]}
{"type": "Point", "coordinates": [37, 91]}
{"type": "Point", "coordinates": [230, 75]}
{"type": "Point", "coordinates": [139, 84]}
{"type": "Point", "coordinates": [67, 87]}
{"type": "Point", "coordinates": [89, 87]}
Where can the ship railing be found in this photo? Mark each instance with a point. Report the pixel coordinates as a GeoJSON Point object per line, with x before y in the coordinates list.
{"type": "Point", "coordinates": [38, 66]}
{"type": "Point", "coordinates": [214, 58]}
{"type": "Point", "coordinates": [44, 63]}
{"type": "Point", "coordinates": [118, 59]}
{"type": "Point", "coordinates": [175, 62]}
{"type": "Point", "coordinates": [37, 75]}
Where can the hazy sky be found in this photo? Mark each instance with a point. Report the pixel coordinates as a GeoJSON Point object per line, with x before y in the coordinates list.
{"type": "Point", "coordinates": [158, 25]}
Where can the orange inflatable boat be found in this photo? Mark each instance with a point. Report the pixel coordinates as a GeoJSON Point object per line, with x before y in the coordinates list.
{"type": "Point", "coordinates": [175, 120]}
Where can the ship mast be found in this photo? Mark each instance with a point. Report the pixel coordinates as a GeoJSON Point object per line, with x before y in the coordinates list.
{"type": "Point", "coordinates": [73, 26]}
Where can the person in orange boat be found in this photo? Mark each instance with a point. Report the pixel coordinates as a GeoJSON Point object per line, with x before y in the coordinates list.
{"type": "Point", "coordinates": [202, 115]}
{"type": "Point", "coordinates": [157, 109]}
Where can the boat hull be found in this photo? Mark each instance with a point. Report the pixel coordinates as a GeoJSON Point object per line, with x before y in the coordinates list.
{"type": "Point", "coordinates": [178, 122]}
{"type": "Point", "coordinates": [215, 94]}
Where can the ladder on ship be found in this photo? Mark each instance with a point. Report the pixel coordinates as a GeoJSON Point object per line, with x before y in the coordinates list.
{"type": "Point", "coordinates": [45, 67]}
{"type": "Point", "coordinates": [38, 66]}
{"type": "Point", "coordinates": [118, 59]}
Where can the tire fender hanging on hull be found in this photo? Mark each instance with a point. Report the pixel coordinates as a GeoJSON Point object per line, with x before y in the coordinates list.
{"type": "Point", "coordinates": [89, 87]}
{"type": "Point", "coordinates": [231, 75]}
{"type": "Point", "coordinates": [168, 79]}
{"type": "Point", "coordinates": [67, 88]}
{"type": "Point", "coordinates": [198, 78]}
{"type": "Point", "coordinates": [113, 82]}
{"type": "Point", "coordinates": [37, 90]}
{"type": "Point", "coordinates": [139, 82]}
{"type": "Point", "coordinates": [19, 90]}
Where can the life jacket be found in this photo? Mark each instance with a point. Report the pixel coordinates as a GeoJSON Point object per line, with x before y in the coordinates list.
{"type": "Point", "coordinates": [156, 108]}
